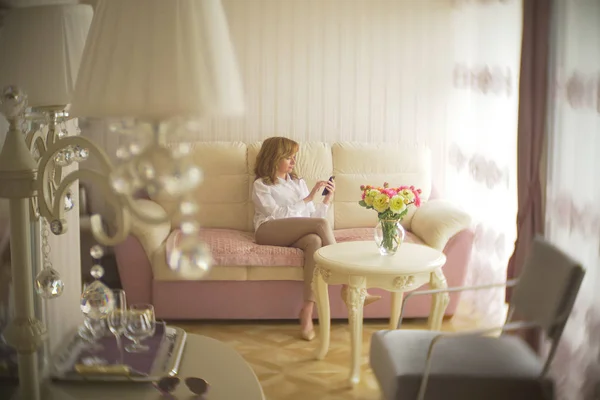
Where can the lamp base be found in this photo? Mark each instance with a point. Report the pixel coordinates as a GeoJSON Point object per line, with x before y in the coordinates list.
{"type": "Point", "coordinates": [25, 334]}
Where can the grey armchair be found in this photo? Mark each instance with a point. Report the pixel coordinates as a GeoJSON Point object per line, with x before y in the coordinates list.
{"type": "Point", "coordinates": [473, 365]}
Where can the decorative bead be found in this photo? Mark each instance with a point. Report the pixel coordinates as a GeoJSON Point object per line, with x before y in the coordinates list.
{"type": "Point", "coordinates": [135, 149]}
{"type": "Point", "coordinates": [120, 180]}
{"type": "Point", "coordinates": [69, 155]}
{"type": "Point", "coordinates": [122, 153]}
{"type": "Point", "coordinates": [60, 159]}
{"type": "Point", "coordinates": [97, 271]}
{"type": "Point", "coordinates": [56, 227]}
{"type": "Point", "coordinates": [69, 201]}
{"type": "Point", "coordinates": [188, 208]}
{"type": "Point", "coordinates": [96, 251]}
{"type": "Point", "coordinates": [80, 153]}
{"type": "Point", "coordinates": [146, 170]}
{"type": "Point", "coordinates": [189, 227]}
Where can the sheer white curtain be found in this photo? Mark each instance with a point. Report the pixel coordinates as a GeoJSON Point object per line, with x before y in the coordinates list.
{"type": "Point", "coordinates": [482, 138]}
{"type": "Point", "coordinates": [573, 189]}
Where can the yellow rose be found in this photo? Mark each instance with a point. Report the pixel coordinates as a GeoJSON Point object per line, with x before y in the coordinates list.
{"type": "Point", "coordinates": [370, 197]}
{"type": "Point", "coordinates": [397, 204]}
{"type": "Point", "coordinates": [408, 195]}
{"type": "Point", "coordinates": [381, 202]}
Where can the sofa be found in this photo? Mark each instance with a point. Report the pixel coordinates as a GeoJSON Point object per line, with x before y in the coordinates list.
{"type": "Point", "coordinates": [250, 281]}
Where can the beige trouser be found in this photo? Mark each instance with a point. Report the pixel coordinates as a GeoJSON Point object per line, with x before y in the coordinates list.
{"type": "Point", "coordinates": [307, 234]}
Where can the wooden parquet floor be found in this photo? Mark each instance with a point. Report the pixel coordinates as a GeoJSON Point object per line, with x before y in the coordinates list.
{"type": "Point", "coordinates": [286, 366]}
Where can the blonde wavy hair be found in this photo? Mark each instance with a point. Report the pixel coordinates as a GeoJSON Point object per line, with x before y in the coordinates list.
{"type": "Point", "coordinates": [272, 151]}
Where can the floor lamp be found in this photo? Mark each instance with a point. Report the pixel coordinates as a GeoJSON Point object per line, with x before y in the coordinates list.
{"type": "Point", "coordinates": [152, 63]}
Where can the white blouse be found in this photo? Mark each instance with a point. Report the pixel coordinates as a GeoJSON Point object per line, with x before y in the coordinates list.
{"type": "Point", "coordinates": [283, 200]}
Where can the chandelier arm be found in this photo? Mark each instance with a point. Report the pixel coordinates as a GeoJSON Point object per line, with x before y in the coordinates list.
{"type": "Point", "coordinates": [46, 166]}
{"type": "Point", "coordinates": [51, 202]}
{"type": "Point", "coordinates": [122, 214]}
{"type": "Point", "coordinates": [36, 138]}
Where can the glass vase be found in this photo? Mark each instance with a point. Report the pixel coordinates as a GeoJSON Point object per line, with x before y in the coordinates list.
{"type": "Point", "coordinates": [389, 235]}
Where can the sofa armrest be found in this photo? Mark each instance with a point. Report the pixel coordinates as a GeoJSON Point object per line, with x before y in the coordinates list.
{"type": "Point", "coordinates": [134, 255]}
{"type": "Point", "coordinates": [436, 221]}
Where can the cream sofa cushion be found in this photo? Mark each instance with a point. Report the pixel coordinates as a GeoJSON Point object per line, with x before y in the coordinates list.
{"type": "Point", "coordinates": [356, 164]}
{"type": "Point", "coordinates": [222, 197]}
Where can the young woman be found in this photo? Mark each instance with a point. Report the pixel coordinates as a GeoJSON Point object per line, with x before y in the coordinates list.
{"type": "Point", "coordinates": [285, 214]}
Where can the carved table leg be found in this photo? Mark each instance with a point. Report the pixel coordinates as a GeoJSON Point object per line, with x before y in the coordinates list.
{"type": "Point", "coordinates": [440, 300]}
{"type": "Point", "coordinates": [355, 302]}
{"type": "Point", "coordinates": [396, 308]}
{"type": "Point", "coordinates": [320, 289]}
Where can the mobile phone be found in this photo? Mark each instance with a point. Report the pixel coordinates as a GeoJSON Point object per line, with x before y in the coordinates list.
{"type": "Point", "coordinates": [326, 191]}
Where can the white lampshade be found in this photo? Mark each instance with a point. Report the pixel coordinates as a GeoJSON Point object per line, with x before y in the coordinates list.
{"type": "Point", "coordinates": [157, 59]}
{"type": "Point", "coordinates": [40, 51]}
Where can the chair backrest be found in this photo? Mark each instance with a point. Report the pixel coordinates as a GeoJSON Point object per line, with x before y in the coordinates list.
{"type": "Point", "coordinates": [547, 288]}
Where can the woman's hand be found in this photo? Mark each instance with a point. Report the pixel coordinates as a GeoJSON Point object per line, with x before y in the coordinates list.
{"type": "Point", "coordinates": [318, 186]}
{"type": "Point", "coordinates": [330, 185]}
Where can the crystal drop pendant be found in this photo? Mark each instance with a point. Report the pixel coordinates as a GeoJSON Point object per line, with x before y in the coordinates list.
{"type": "Point", "coordinates": [97, 300]}
{"type": "Point", "coordinates": [69, 201]}
{"type": "Point", "coordinates": [48, 283]}
{"type": "Point", "coordinates": [191, 259]}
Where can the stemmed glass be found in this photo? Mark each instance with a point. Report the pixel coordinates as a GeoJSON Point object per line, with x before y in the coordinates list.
{"type": "Point", "coordinates": [117, 318]}
{"type": "Point", "coordinates": [141, 324]}
{"type": "Point", "coordinates": [92, 330]}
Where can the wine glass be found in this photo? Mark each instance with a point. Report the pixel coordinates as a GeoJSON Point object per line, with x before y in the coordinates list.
{"type": "Point", "coordinates": [94, 329]}
{"type": "Point", "coordinates": [141, 324]}
{"type": "Point", "coordinates": [117, 318]}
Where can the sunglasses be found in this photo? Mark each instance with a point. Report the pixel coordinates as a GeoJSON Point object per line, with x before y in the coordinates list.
{"type": "Point", "coordinates": [168, 384]}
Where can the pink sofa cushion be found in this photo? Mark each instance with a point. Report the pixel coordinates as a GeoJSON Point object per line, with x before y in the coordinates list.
{"type": "Point", "coordinates": [234, 247]}
{"type": "Point", "coordinates": [359, 234]}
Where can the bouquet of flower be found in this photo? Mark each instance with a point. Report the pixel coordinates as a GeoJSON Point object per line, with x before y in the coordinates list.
{"type": "Point", "coordinates": [390, 203]}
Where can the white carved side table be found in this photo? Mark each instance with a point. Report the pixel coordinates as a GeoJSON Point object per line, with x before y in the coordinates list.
{"type": "Point", "coordinates": [360, 266]}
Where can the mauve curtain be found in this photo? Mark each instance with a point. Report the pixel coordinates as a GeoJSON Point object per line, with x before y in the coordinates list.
{"type": "Point", "coordinates": [532, 129]}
